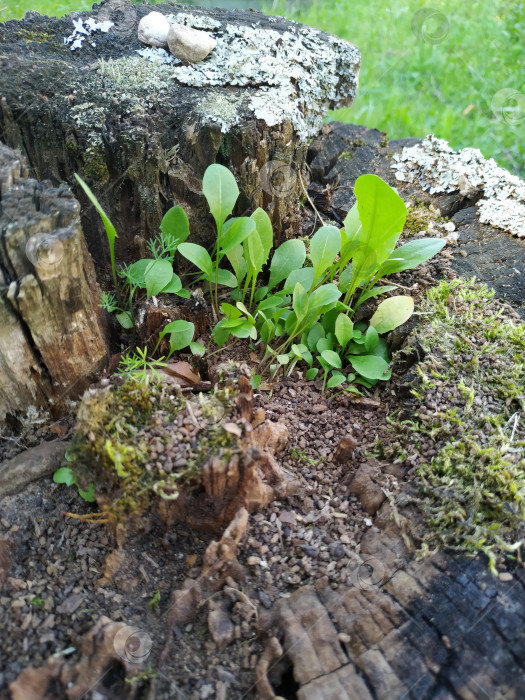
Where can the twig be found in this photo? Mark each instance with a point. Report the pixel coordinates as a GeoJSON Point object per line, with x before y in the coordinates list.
{"type": "Point", "coordinates": [309, 199]}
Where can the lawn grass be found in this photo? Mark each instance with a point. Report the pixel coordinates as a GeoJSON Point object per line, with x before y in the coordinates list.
{"type": "Point", "coordinates": [443, 74]}
{"type": "Point", "coordinates": [448, 84]}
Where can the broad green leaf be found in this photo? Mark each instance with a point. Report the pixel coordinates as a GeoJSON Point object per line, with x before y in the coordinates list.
{"type": "Point", "coordinates": [234, 232]}
{"type": "Point", "coordinates": [271, 302]}
{"type": "Point", "coordinates": [258, 245]}
{"type": "Point", "coordinates": [197, 349]}
{"type": "Point", "coordinates": [315, 335]}
{"type": "Point", "coordinates": [370, 366]}
{"type": "Point", "coordinates": [324, 297]}
{"type": "Point", "coordinates": [324, 246]}
{"type": "Point", "coordinates": [355, 348]}
{"type": "Point", "coordinates": [332, 358]}
{"type": "Point", "coordinates": [290, 323]}
{"type": "Point", "coordinates": [335, 380]}
{"type": "Point", "coordinates": [391, 313]}
{"type": "Point", "coordinates": [382, 214]}
{"type": "Point", "coordinates": [88, 495]}
{"type": "Point", "coordinates": [135, 272]}
{"type": "Point", "coordinates": [305, 275]}
{"type": "Point", "coordinates": [256, 381]}
{"type": "Point", "coordinates": [283, 359]}
{"type": "Point", "coordinates": [412, 254]}
{"type": "Point", "coordinates": [381, 350]}
{"type": "Point", "coordinates": [266, 330]}
{"type": "Point", "coordinates": [230, 323]}
{"type": "Point", "coordinates": [221, 192]}
{"type": "Point", "coordinates": [184, 293]}
{"type": "Point", "coordinates": [345, 278]}
{"type": "Point", "coordinates": [226, 278]}
{"type": "Point", "coordinates": [329, 318]}
{"type": "Point", "coordinates": [158, 275]}
{"type": "Point", "coordinates": [323, 344]}
{"type": "Point", "coordinates": [181, 334]}
{"type": "Point", "coordinates": [311, 373]}
{"type": "Point", "coordinates": [350, 231]}
{"type": "Point", "coordinates": [175, 223]}
{"type": "Point", "coordinates": [299, 349]}
{"type": "Point", "coordinates": [300, 301]}
{"type": "Point", "coordinates": [371, 338]}
{"type": "Point", "coordinates": [125, 318]}
{"type": "Point", "coordinates": [245, 311]}
{"type": "Point", "coordinates": [374, 292]}
{"type": "Point", "coordinates": [343, 330]}
{"type": "Point", "coordinates": [230, 311]}
{"type": "Point", "coordinates": [173, 286]}
{"type": "Point", "coordinates": [197, 255]}
{"type": "Point", "coordinates": [261, 293]}
{"type": "Point", "coordinates": [289, 256]}
{"type": "Point", "coordinates": [65, 475]}
{"type": "Point", "coordinates": [238, 262]}
{"type": "Point", "coordinates": [245, 330]}
{"type": "Point", "coordinates": [220, 334]}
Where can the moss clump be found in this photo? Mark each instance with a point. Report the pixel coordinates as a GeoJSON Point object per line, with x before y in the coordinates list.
{"type": "Point", "coordinates": [136, 442]}
{"type": "Point", "coordinates": [95, 167]}
{"type": "Point", "coordinates": [346, 155]}
{"type": "Point", "coordinates": [32, 37]}
{"type": "Point", "coordinates": [417, 220]}
{"type": "Point", "coordinates": [468, 409]}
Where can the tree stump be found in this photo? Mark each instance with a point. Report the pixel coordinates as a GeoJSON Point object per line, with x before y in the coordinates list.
{"type": "Point", "coordinates": [142, 132]}
{"type": "Point", "coordinates": [52, 342]}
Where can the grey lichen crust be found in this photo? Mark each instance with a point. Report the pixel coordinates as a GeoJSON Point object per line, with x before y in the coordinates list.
{"type": "Point", "coordinates": [295, 75]}
{"type": "Point", "coordinates": [439, 169]}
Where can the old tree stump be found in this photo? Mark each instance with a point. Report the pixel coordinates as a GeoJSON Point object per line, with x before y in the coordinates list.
{"type": "Point", "coordinates": [142, 132]}
{"type": "Point", "coordinates": [82, 94]}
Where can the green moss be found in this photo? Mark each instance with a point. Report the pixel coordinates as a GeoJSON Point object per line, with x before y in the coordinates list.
{"type": "Point", "coordinates": [32, 37]}
{"type": "Point", "coordinates": [226, 147]}
{"type": "Point", "coordinates": [117, 434]}
{"type": "Point", "coordinates": [417, 220]}
{"type": "Point", "coordinates": [95, 167]}
{"type": "Point", "coordinates": [358, 142]}
{"type": "Point", "coordinates": [472, 491]}
{"type": "Point", "coordinates": [346, 155]}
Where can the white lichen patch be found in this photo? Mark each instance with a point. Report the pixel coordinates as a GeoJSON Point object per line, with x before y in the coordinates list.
{"type": "Point", "coordinates": [194, 21]}
{"type": "Point", "coordinates": [439, 169]}
{"type": "Point", "coordinates": [295, 75]}
{"type": "Point", "coordinates": [84, 29]}
{"type": "Point", "coordinates": [159, 56]}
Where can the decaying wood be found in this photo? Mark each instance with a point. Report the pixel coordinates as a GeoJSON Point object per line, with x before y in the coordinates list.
{"type": "Point", "coordinates": [220, 562]}
{"type": "Point", "coordinates": [108, 645]}
{"type": "Point", "coordinates": [438, 627]}
{"type": "Point", "coordinates": [52, 342]}
{"type": "Point", "coordinates": [142, 133]}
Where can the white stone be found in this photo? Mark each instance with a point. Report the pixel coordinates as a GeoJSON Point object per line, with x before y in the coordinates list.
{"type": "Point", "coordinates": [189, 44]}
{"type": "Point", "coordinates": [153, 30]}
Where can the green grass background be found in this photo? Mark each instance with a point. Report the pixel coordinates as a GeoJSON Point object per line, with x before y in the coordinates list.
{"type": "Point", "coordinates": [442, 73]}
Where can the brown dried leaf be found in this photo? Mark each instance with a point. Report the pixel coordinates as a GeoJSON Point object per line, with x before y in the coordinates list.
{"type": "Point", "coordinates": [182, 371]}
{"type": "Point", "coordinates": [233, 428]}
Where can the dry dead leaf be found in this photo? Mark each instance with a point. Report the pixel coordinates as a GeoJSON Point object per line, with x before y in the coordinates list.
{"type": "Point", "coordinates": [183, 372]}
{"type": "Point", "coordinates": [233, 428]}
